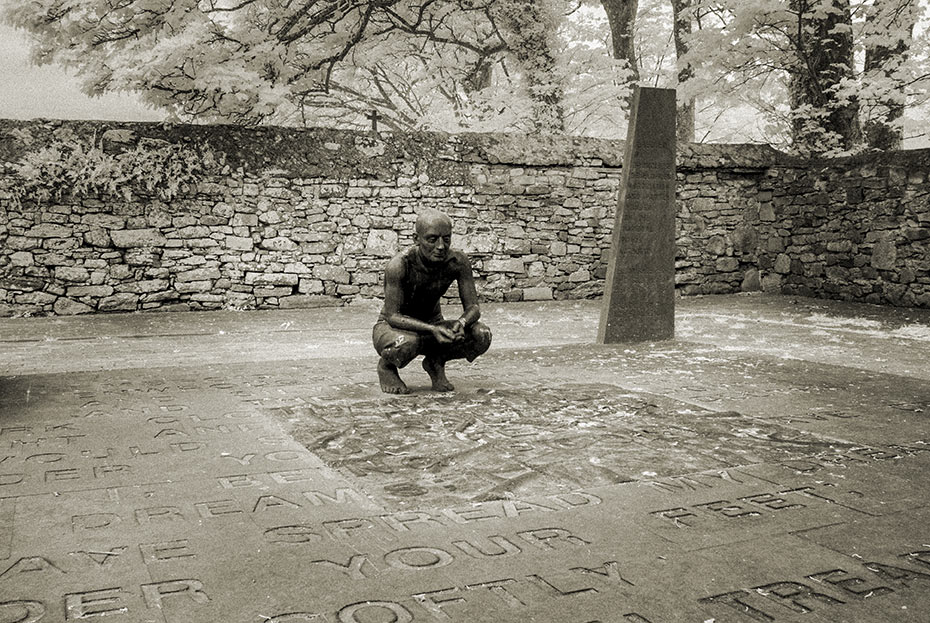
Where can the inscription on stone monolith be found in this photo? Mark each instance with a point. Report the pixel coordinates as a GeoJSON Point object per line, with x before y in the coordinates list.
{"type": "Point", "coordinates": [639, 294]}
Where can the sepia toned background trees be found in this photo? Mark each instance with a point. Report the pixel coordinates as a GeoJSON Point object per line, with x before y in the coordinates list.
{"type": "Point", "coordinates": [811, 76]}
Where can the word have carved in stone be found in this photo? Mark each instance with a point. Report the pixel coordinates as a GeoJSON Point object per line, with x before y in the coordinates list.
{"type": "Point", "coordinates": [783, 599]}
{"type": "Point", "coordinates": [30, 567]}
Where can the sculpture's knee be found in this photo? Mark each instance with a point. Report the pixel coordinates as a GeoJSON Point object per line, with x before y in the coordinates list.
{"type": "Point", "coordinates": [480, 341]}
{"type": "Point", "coordinates": [401, 351]}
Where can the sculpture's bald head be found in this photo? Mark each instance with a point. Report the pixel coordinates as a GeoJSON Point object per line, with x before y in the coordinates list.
{"type": "Point", "coordinates": [429, 218]}
{"type": "Point", "coordinates": [433, 235]}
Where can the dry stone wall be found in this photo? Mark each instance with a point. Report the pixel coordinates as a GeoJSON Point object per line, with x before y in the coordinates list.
{"type": "Point", "coordinates": [286, 218]}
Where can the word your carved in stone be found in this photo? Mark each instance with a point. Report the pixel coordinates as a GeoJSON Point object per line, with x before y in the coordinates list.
{"type": "Point", "coordinates": [425, 557]}
{"type": "Point", "coordinates": [777, 600]}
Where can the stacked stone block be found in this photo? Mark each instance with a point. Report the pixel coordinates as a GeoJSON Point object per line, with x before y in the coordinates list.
{"type": "Point", "coordinates": [304, 218]}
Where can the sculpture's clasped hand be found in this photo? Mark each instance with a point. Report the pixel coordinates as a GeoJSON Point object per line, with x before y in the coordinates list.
{"type": "Point", "coordinates": [444, 335]}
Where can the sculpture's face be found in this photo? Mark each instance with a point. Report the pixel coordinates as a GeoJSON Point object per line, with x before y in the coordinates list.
{"type": "Point", "coordinates": [434, 239]}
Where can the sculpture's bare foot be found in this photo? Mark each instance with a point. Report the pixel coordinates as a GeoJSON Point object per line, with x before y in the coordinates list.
{"type": "Point", "coordinates": [437, 374]}
{"type": "Point", "coordinates": [391, 382]}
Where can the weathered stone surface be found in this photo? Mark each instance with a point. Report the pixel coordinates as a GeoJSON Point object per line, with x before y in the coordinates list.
{"type": "Point", "coordinates": [145, 287]}
{"type": "Point", "coordinates": [72, 273]}
{"type": "Point", "coordinates": [751, 281]}
{"type": "Point", "coordinates": [278, 244]}
{"type": "Point", "coordinates": [509, 265]}
{"type": "Point", "coordinates": [783, 264]}
{"type": "Point", "coordinates": [539, 293]}
{"type": "Point", "coordinates": [272, 279]}
{"type": "Point", "coordinates": [131, 238]}
{"type": "Point", "coordinates": [884, 255]}
{"type": "Point", "coordinates": [119, 302]}
{"type": "Point", "coordinates": [35, 298]}
{"type": "Point", "coordinates": [309, 301]}
{"type": "Point", "coordinates": [22, 258]}
{"type": "Point", "coordinates": [198, 274]}
{"type": "Point", "coordinates": [68, 307]}
{"type": "Point", "coordinates": [91, 291]}
{"type": "Point", "coordinates": [239, 243]}
{"type": "Point", "coordinates": [50, 230]}
{"type": "Point", "coordinates": [328, 272]}
{"type": "Point", "coordinates": [190, 287]}
{"type": "Point", "coordinates": [382, 242]}
{"type": "Point", "coordinates": [97, 238]}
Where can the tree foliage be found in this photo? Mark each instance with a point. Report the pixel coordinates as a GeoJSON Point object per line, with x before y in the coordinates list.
{"type": "Point", "coordinates": [818, 76]}
{"type": "Point", "coordinates": [301, 61]}
{"type": "Point", "coordinates": [757, 52]}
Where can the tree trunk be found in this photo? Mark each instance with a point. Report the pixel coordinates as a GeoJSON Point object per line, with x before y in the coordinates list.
{"type": "Point", "coordinates": [823, 45]}
{"type": "Point", "coordinates": [530, 30]}
{"type": "Point", "coordinates": [881, 58]}
{"type": "Point", "coordinates": [685, 116]}
{"type": "Point", "coordinates": [621, 14]}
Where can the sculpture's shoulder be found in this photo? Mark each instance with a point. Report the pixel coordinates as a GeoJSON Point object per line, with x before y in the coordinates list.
{"type": "Point", "coordinates": [459, 260]}
{"type": "Point", "coordinates": [396, 267]}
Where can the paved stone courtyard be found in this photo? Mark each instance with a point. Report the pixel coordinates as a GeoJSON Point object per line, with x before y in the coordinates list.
{"type": "Point", "coordinates": [769, 464]}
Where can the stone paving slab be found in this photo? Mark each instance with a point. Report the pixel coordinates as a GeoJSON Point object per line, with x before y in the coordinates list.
{"type": "Point", "coordinates": [768, 465]}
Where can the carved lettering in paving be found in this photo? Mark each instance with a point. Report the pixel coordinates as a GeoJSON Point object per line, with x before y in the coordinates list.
{"type": "Point", "coordinates": [96, 472]}
{"type": "Point", "coordinates": [30, 565]}
{"type": "Point", "coordinates": [697, 482]}
{"type": "Point", "coordinates": [386, 525]}
{"type": "Point", "coordinates": [742, 507]}
{"type": "Point", "coordinates": [820, 590]}
{"type": "Point", "coordinates": [155, 593]}
{"type": "Point", "coordinates": [361, 566]}
{"type": "Point", "coordinates": [237, 481]}
{"type": "Point", "coordinates": [452, 602]}
{"type": "Point", "coordinates": [101, 557]}
{"type": "Point", "coordinates": [219, 429]}
{"type": "Point", "coordinates": [101, 602]}
{"type": "Point", "coordinates": [113, 600]}
{"type": "Point", "coordinates": [22, 611]}
{"type": "Point", "coordinates": [281, 456]}
{"type": "Point", "coordinates": [218, 508]}
{"type": "Point", "coordinates": [862, 456]}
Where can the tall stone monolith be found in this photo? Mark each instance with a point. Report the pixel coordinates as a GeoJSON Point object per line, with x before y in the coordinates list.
{"type": "Point", "coordinates": [639, 295]}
